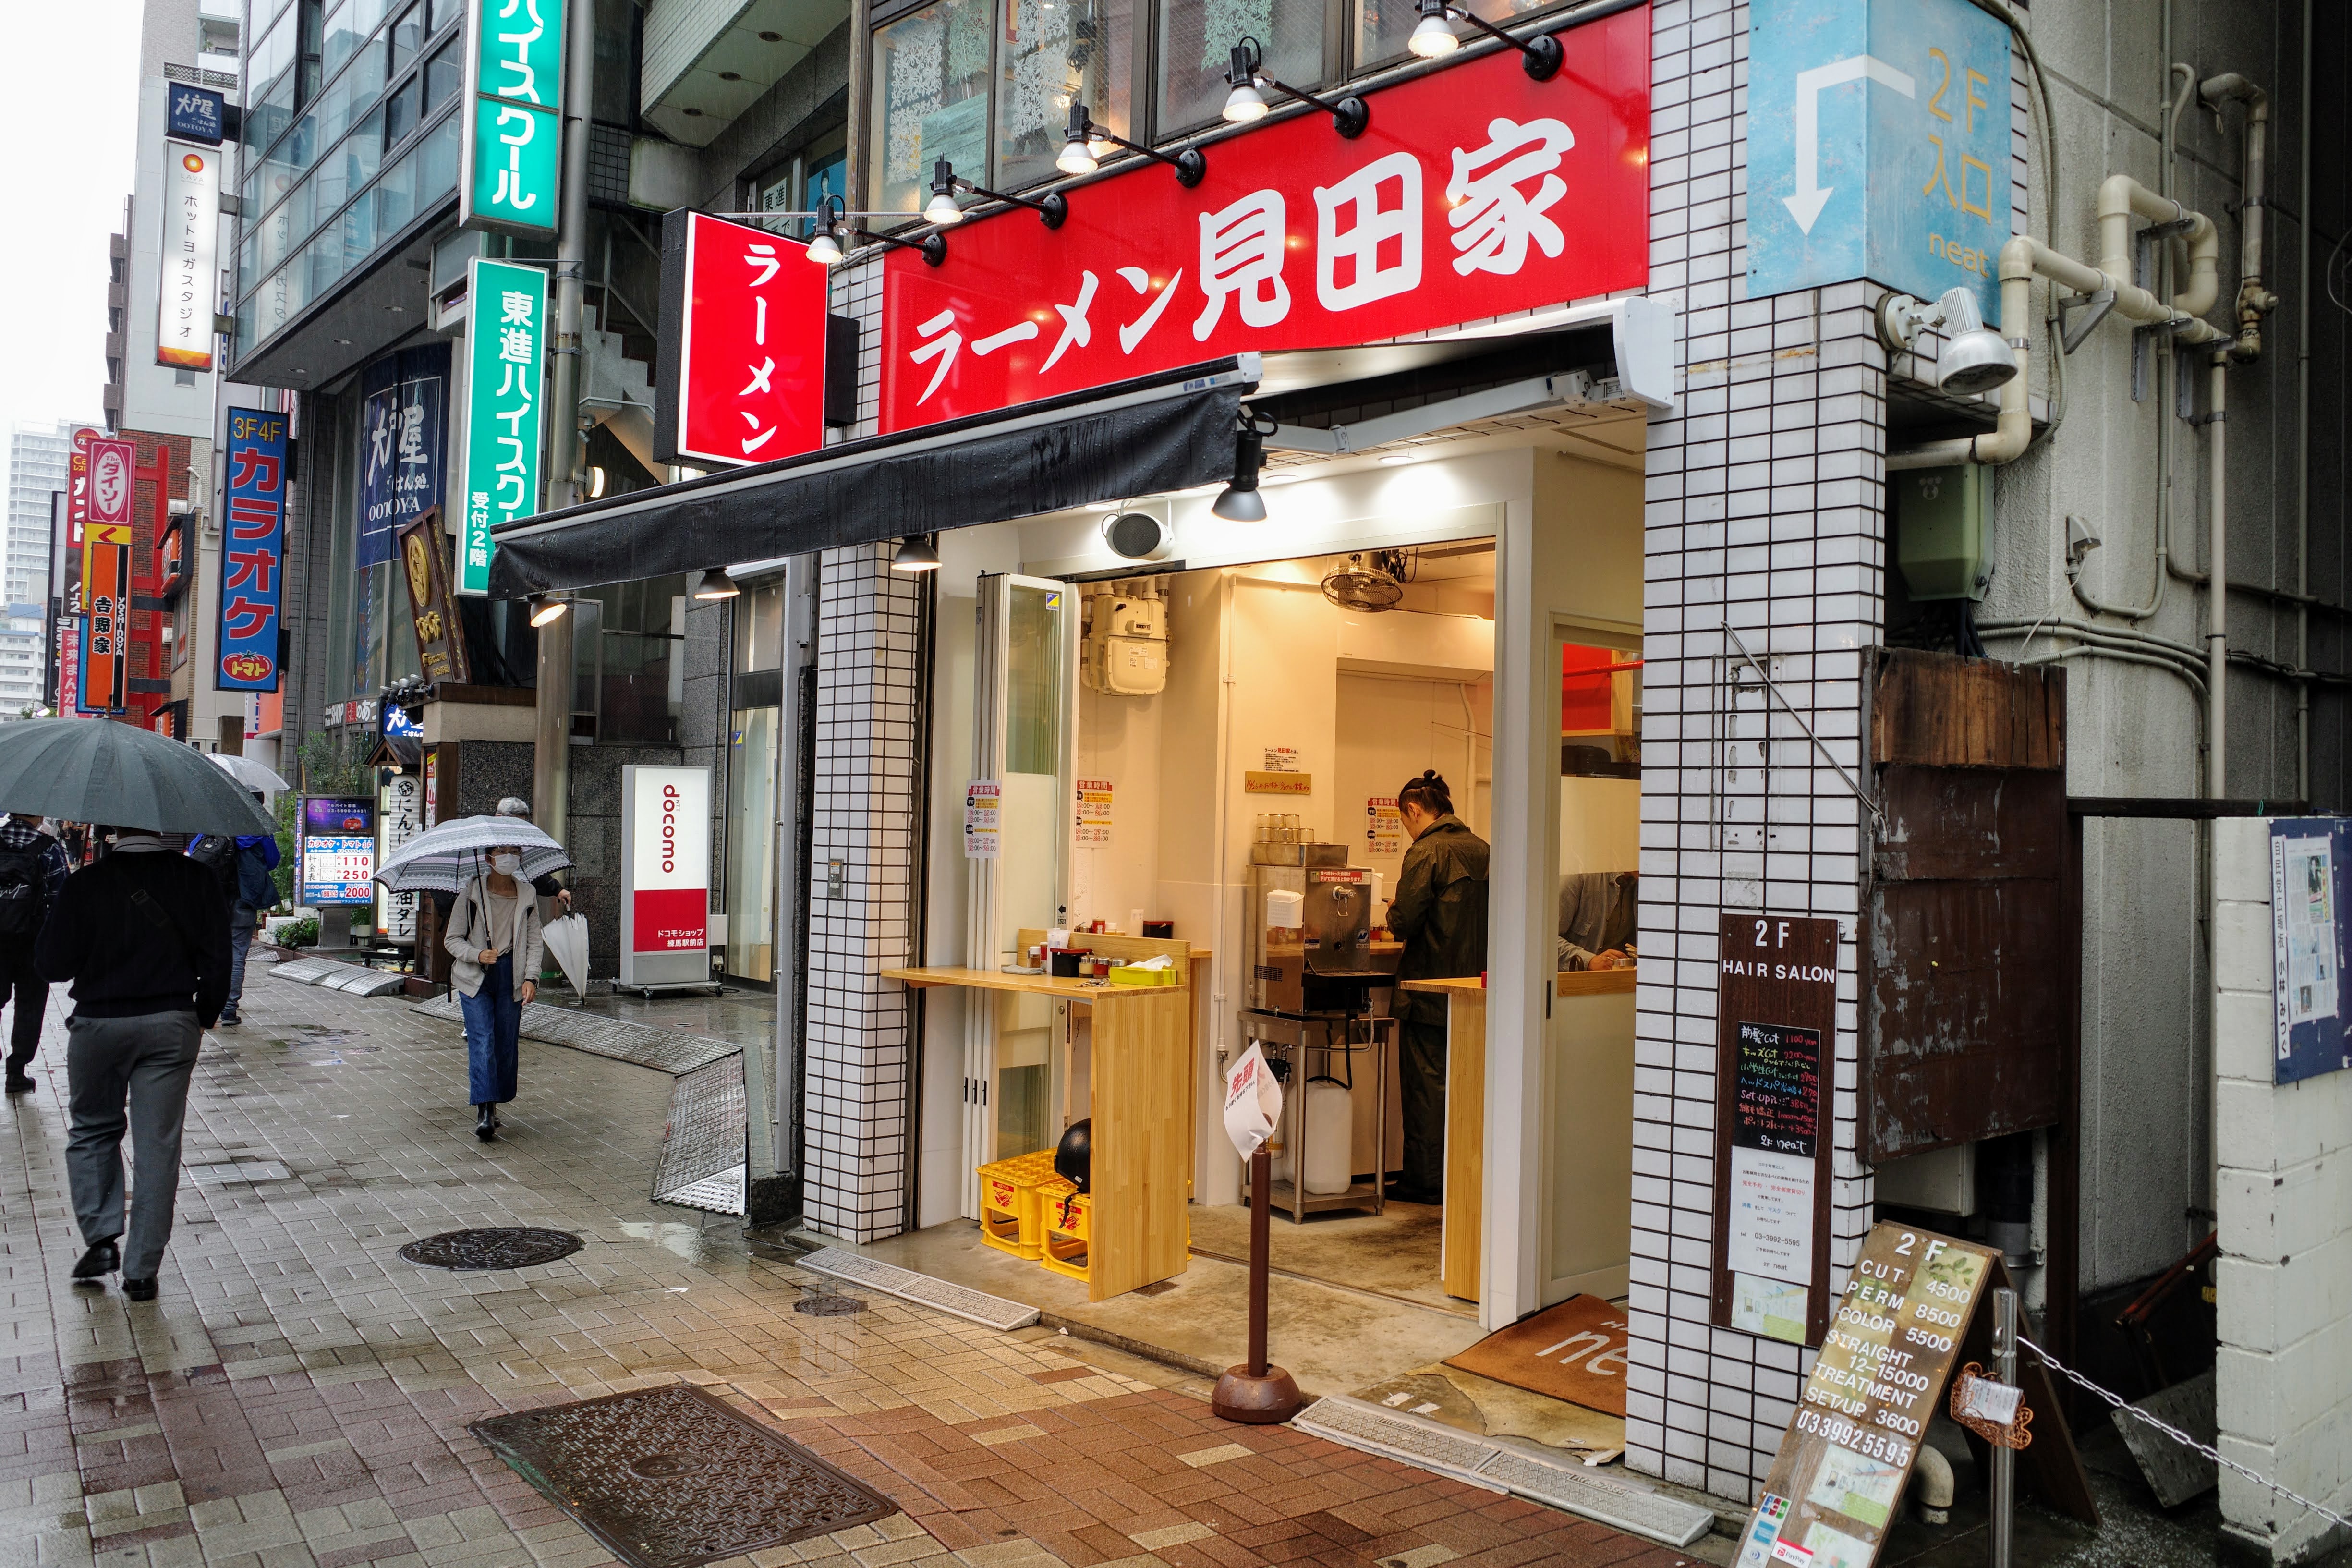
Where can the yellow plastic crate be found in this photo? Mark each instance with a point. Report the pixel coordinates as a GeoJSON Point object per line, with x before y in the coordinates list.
{"type": "Point", "coordinates": [1010, 1218]}
{"type": "Point", "coordinates": [1067, 1229]}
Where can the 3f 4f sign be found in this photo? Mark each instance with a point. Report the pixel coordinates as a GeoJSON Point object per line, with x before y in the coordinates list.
{"type": "Point", "coordinates": [513, 116]}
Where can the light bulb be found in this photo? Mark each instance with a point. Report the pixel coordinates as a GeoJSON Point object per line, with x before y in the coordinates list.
{"type": "Point", "coordinates": [1078, 158]}
{"type": "Point", "coordinates": [1432, 39]}
{"type": "Point", "coordinates": [943, 210]}
{"type": "Point", "coordinates": [825, 250]}
{"type": "Point", "coordinates": [1245, 103]}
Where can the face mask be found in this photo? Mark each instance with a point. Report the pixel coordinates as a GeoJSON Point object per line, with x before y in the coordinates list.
{"type": "Point", "coordinates": [506, 865]}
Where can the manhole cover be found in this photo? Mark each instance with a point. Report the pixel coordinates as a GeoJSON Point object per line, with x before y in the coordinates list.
{"type": "Point", "coordinates": [498, 1247]}
{"type": "Point", "coordinates": [670, 1477]}
{"type": "Point", "coordinates": [828, 1306]}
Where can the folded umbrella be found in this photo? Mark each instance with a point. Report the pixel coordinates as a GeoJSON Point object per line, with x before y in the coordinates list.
{"type": "Point", "coordinates": [567, 938]}
{"type": "Point", "coordinates": [250, 773]}
{"type": "Point", "coordinates": [94, 770]}
{"type": "Point", "coordinates": [444, 857]}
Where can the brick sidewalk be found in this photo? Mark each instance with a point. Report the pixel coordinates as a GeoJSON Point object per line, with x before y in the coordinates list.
{"type": "Point", "coordinates": [298, 1396]}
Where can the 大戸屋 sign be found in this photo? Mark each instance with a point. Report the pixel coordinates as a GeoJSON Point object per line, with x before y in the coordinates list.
{"type": "Point", "coordinates": [1476, 192]}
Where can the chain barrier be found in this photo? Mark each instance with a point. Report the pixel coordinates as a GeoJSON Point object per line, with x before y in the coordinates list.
{"type": "Point", "coordinates": [2178, 1435]}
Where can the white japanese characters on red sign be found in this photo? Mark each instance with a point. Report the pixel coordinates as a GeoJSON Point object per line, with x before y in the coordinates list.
{"type": "Point", "coordinates": [751, 347]}
{"type": "Point", "coordinates": [1477, 192]}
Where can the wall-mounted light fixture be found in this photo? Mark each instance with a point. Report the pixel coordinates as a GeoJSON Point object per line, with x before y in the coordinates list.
{"type": "Point", "coordinates": [715, 584]}
{"type": "Point", "coordinates": [1240, 501]}
{"type": "Point", "coordinates": [547, 608]}
{"type": "Point", "coordinates": [832, 226]}
{"type": "Point", "coordinates": [1082, 151]}
{"type": "Point", "coordinates": [1431, 39]}
{"type": "Point", "coordinates": [1247, 101]}
{"type": "Point", "coordinates": [915, 555]}
{"type": "Point", "coordinates": [944, 210]}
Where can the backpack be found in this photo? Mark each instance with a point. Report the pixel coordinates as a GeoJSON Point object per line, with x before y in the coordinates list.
{"type": "Point", "coordinates": [24, 889]}
{"type": "Point", "coordinates": [217, 854]}
{"type": "Point", "coordinates": [255, 889]}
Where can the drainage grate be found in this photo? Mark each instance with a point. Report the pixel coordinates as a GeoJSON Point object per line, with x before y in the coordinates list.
{"type": "Point", "coordinates": [1500, 1468]}
{"type": "Point", "coordinates": [355, 978]}
{"type": "Point", "coordinates": [994, 1311]}
{"type": "Point", "coordinates": [664, 1050]}
{"type": "Point", "coordinates": [499, 1247]}
{"type": "Point", "coordinates": [670, 1477]}
{"type": "Point", "coordinates": [702, 1150]}
{"type": "Point", "coordinates": [828, 1306]}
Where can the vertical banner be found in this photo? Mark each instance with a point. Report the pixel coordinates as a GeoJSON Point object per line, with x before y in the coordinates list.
{"type": "Point", "coordinates": [253, 550]}
{"type": "Point", "coordinates": [512, 120]}
{"type": "Point", "coordinates": [440, 644]}
{"type": "Point", "coordinates": [740, 377]}
{"type": "Point", "coordinates": [402, 396]}
{"type": "Point", "coordinates": [664, 876]}
{"type": "Point", "coordinates": [188, 291]}
{"type": "Point", "coordinates": [504, 343]}
{"type": "Point", "coordinates": [106, 578]}
{"type": "Point", "coordinates": [400, 817]}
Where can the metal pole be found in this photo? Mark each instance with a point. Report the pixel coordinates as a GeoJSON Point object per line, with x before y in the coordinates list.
{"type": "Point", "coordinates": [1261, 1244]}
{"type": "Point", "coordinates": [2004, 1459]}
{"type": "Point", "coordinates": [551, 754]}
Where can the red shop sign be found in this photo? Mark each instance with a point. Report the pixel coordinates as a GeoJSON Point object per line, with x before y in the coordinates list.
{"type": "Point", "coordinates": [1477, 192]}
{"type": "Point", "coordinates": [749, 309]}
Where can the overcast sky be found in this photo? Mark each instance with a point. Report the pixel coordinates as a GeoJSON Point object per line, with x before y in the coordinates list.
{"type": "Point", "coordinates": [69, 113]}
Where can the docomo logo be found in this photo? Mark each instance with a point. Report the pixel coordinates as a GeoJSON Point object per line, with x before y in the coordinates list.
{"type": "Point", "coordinates": [669, 828]}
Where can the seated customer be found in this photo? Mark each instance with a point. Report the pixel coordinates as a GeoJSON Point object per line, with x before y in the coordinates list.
{"type": "Point", "coordinates": [1598, 919]}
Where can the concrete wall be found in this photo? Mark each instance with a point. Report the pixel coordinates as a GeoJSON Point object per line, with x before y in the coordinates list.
{"type": "Point", "coordinates": [2283, 1378]}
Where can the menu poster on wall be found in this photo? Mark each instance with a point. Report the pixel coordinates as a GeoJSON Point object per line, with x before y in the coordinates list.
{"type": "Point", "coordinates": [1384, 825]}
{"type": "Point", "coordinates": [2308, 860]}
{"type": "Point", "coordinates": [1093, 811]}
{"type": "Point", "coordinates": [983, 806]}
{"type": "Point", "coordinates": [1281, 759]}
{"type": "Point", "coordinates": [1776, 1009]}
{"type": "Point", "coordinates": [1838, 1479]}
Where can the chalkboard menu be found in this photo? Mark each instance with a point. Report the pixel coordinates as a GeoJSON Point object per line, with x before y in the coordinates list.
{"type": "Point", "coordinates": [1776, 1008]}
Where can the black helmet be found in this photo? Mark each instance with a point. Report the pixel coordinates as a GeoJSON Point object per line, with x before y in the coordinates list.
{"type": "Point", "coordinates": [1073, 1156]}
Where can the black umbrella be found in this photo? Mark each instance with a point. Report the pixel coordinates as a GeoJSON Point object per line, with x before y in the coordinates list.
{"type": "Point", "coordinates": [94, 770]}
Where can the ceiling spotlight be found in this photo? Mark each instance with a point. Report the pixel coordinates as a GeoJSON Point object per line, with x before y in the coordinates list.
{"type": "Point", "coordinates": [1239, 501]}
{"type": "Point", "coordinates": [715, 584]}
{"type": "Point", "coordinates": [1398, 459]}
{"type": "Point", "coordinates": [546, 608]}
{"type": "Point", "coordinates": [945, 211]}
{"type": "Point", "coordinates": [1431, 39]}
{"type": "Point", "coordinates": [1975, 359]}
{"type": "Point", "coordinates": [1350, 115]}
{"type": "Point", "coordinates": [825, 250]}
{"type": "Point", "coordinates": [915, 555]}
{"type": "Point", "coordinates": [1088, 142]}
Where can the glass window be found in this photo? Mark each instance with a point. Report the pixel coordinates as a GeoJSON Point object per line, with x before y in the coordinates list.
{"type": "Point", "coordinates": [1054, 53]}
{"type": "Point", "coordinates": [630, 674]}
{"type": "Point", "coordinates": [339, 40]}
{"type": "Point", "coordinates": [273, 54]}
{"type": "Point", "coordinates": [399, 111]}
{"type": "Point", "coordinates": [366, 14]}
{"type": "Point", "coordinates": [364, 79]}
{"type": "Point", "coordinates": [1196, 46]}
{"type": "Point", "coordinates": [441, 74]}
{"type": "Point", "coordinates": [437, 163]}
{"type": "Point", "coordinates": [1383, 26]}
{"type": "Point", "coordinates": [750, 843]}
{"type": "Point", "coordinates": [396, 196]}
{"type": "Point", "coordinates": [353, 164]}
{"type": "Point", "coordinates": [272, 111]}
{"type": "Point", "coordinates": [930, 101]}
{"type": "Point", "coordinates": [407, 35]}
{"type": "Point", "coordinates": [331, 116]}
{"type": "Point", "coordinates": [444, 12]}
{"type": "Point", "coordinates": [760, 628]}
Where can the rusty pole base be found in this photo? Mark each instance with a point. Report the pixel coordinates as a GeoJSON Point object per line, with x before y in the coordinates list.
{"type": "Point", "coordinates": [1264, 1399]}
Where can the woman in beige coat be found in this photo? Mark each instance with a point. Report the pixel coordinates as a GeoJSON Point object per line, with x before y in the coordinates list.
{"type": "Point", "coordinates": [494, 944]}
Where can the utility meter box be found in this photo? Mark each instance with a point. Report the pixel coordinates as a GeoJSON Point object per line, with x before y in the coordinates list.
{"type": "Point", "coordinates": [1126, 647]}
{"type": "Point", "coordinates": [1943, 529]}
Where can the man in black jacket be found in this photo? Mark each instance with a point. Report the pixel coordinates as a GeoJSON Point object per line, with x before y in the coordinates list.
{"type": "Point", "coordinates": [144, 936]}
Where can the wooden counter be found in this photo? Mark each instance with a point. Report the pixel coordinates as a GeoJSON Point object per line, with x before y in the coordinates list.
{"type": "Point", "coordinates": [1465, 1111]}
{"type": "Point", "coordinates": [1142, 1158]}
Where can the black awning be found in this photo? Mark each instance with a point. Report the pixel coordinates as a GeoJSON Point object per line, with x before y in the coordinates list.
{"type": "Point", "coordinates": [1168, 432]}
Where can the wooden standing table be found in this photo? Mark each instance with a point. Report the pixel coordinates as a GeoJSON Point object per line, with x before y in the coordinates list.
{"type": "Point", "coordinates": [1142, 1135]}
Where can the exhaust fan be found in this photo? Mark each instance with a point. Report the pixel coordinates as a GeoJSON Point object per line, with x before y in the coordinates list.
{"type": "Point", "coordinates": [1373, 585]}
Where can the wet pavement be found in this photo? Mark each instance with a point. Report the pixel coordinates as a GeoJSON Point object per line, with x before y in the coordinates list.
{"type": "Point", "coordinates": [298, 1396]}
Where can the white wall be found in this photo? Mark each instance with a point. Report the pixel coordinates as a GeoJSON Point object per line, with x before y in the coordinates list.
{"type": "Point", "coordinates": [2284, 1284]}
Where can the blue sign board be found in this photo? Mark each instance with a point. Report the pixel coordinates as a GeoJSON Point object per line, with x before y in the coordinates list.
{"type": "Point", "coordinates": [2308, 887]}
{"type": "Point", "coordinates": [402, 418]}
{"type": "Point", "coordinates": [1878, 146]}
{"type": "Point", "coordinates": [253, 552]}
{"type": "Point", "coordinates": [194, 113]}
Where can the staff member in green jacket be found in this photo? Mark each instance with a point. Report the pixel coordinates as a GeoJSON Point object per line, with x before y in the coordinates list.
{"type": "Point", "coordinates": [1440, 915]}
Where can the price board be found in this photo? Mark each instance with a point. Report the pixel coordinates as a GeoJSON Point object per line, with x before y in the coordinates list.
{"type": "Point", "coordinates": [1885, 1356]}
{"type": "Point", "coordinates": [337, 854]}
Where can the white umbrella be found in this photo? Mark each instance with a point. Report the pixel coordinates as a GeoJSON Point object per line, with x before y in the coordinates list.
{"type": "Point", "coordinates": [250, 773]}
{"type": "Point", "coordinates": [444, 857]}
{"type": "Point", "coordinates": [567, 938]}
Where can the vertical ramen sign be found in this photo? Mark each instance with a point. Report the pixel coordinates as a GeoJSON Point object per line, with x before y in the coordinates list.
{"type": "Point", "coordinates": [666, 877]}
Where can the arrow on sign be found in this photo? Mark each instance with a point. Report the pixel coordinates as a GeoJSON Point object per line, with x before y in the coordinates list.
{"type": "Point", "coordinates": [1807, 203]}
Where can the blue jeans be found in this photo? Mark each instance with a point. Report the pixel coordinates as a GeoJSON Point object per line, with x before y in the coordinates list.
{"type": "Point", "coordinates": [493, 1025]}
{"type": "Point", "coordinates": [241, 926]}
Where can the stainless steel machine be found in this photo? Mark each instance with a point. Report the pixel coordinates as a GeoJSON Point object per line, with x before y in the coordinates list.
{"type": "Point", "coordinates": [1308, 925]}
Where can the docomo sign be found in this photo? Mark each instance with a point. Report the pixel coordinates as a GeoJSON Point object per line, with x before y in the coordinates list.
{"type": "Point", "coordinates": [666, 887]}
{"type": "Point", "coordinates": [747, 384]}
{"type": "Point", "coordinates": [1476, 192]}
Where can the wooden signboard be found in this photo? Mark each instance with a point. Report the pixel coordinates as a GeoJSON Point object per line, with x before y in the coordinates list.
{"type": "Point", "coordinates": [440, 642]}
{"type": "Point", "coordinates": [1776, 1023]}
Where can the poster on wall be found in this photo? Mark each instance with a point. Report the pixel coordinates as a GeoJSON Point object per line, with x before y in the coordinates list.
{"type": "Point", "coordinates": [1776, 1019]}
{"type": "Point", "coordinates": [338, 852]}
{"type": "Point", "coordinates": [1093, 808]}
{"type": "Point", "coordinates": [664, 876]}
{"type": "Point", "coordinates": [2308, 858]}
{"type": "Point", "coordinates": [402, 396]}
{"type": "Point", "coordinates": [400, 817]}
{"type": "Point", "coordinates": [983, 814]}
{"type": "Point", "coordinates": [1384, 825]}
{"type": "Point", "coordinates": [253, 548]}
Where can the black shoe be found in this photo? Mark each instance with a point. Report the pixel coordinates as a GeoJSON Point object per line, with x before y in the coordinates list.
{"type": "Point", "coordinates": [139, 1289]}
{"type": "Point", "coordinates": [99, 1260]}
{"type": "Point", "coordinates": [20, 1084]}
{"type": "Point", "coordinates": [485, 1122]}
{"type": "Point", "coordinates": [225, 1019]}
{"type": "Point", "coordinates": [1397, 1193]}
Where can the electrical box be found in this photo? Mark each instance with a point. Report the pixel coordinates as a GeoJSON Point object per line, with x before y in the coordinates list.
{"type": "Point", "coordinates": [1124, 651]}
{"type": "Point", "coordinates": [1943, 530]}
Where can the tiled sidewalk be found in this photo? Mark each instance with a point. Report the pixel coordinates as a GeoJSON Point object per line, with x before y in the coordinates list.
{"type": "Point", "coordinates": [298, 1396]}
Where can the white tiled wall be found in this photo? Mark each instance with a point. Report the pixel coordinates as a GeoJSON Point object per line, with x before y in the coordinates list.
{"type": "Point", "coordinates": [2283, 1283]}
{"type": "Point", "coordinates": [867, 794]}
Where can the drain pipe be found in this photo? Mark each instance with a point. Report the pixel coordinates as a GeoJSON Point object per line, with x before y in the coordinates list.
{"type": "Point", "coordinates": [2302, 427]}
{"type": "Point", "coordinates": [2217, 628]}
{"type": "Point", "coordinates": [2254, 300]}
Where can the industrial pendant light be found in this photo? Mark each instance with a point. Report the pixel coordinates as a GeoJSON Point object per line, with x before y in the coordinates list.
{"type": "Point", "coordinates": [1433, 39]}
{"type": "Point", "coordinates": [915, 555]}
{"type": "Point", "coordinates": [546, 608]}
{"type": "Point", "coordinates": [1247, 101]}
{"type": "Point", "coordinates": [715, 584]}
{"type": "Point", "coordinates": [1240, 501]}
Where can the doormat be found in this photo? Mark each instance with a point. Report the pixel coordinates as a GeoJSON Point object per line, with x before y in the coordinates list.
{"type": "Point", "coordinates": [671, 1477]}
{"type": "Point", "coordinates": [1575, 1352]}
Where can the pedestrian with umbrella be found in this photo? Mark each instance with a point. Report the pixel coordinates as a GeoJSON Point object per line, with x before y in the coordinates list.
{"type": "Point", "coordinates": [142, 935]}
{"type": "Point", "coordinates": [492, 936]}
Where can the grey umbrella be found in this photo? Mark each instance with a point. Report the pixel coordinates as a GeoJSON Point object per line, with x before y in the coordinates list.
{"type": "Point", "coordinates": [444, 857]}
{"type": "Point", "coordinates": [94, 770]}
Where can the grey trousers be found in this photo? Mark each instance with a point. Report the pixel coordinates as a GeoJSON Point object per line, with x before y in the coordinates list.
{"type": "Point", "coordinates": [147, 1062]}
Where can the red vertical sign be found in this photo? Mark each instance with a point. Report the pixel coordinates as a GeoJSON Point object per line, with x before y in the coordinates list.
{"type": "Point", "coordinates": [751, 313]}
{"type": "Point", "coordinates": [107, 491]}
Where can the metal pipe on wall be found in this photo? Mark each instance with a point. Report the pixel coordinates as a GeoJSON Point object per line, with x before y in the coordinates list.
{"type": "Point", "coordinates": [2303, 421]}
{"type": "Point", "coordinates": [2217, 626]}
